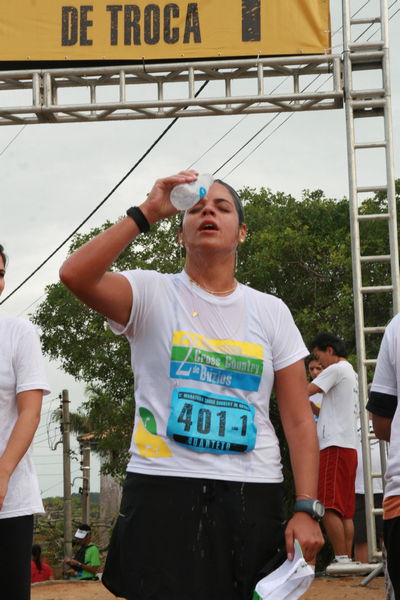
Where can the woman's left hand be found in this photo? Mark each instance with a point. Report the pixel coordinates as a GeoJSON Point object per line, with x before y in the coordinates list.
{"type": "Point", "coordinates": [307, 532]}
{"type": "Point", "coordinates": [4, 479]}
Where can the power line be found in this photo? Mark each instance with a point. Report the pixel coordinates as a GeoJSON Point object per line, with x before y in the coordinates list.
{"type": "Point", "coordinates": [291, 114]}
{"type": "Point", "coordinates": [114, 189]}
{"type": "Point", "coordinates": [274, 90]}
{"type": "Point", "coordinates": [262, 129]}
{"type": "Point", "coordinates": [13, 139]}
{"type": "Point", "coordinates": [31, 304]}
{"type": "Point", "coordinates": [58, 483]}
{"type": "Point", "coordinates": [149, 150]}
{"type": "Point", "coordinates": [234, 127]}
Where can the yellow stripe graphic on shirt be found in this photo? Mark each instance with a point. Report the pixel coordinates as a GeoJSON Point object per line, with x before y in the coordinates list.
{"type": "Point", "coordinates": [184, 338]}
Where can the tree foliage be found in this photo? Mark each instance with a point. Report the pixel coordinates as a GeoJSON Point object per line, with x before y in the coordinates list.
{"type": "Point", "coordinates": [298, 250]}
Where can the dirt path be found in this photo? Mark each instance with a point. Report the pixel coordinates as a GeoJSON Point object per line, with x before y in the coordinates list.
{"type": "Point", "coordinates": [324, 588]}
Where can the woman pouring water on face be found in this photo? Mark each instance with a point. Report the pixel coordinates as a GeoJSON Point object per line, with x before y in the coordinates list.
{"type": "Point", "coordinates": [201, 511]}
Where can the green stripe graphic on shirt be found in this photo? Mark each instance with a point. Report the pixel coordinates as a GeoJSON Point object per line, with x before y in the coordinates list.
{"type": "Point", "coordinates": [229, 363]}
{"type": "Point", "coordinates": [240, 364]}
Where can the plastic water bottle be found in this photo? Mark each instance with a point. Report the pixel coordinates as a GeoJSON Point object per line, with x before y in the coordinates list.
{"type": "Point", "coordinates": [186, 195]}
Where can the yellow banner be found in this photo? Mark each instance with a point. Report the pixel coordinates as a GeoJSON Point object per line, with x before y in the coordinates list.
{"type": "Point", "coordinates": [47, 30]}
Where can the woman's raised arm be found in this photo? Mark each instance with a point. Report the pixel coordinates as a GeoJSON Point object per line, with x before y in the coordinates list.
{"type": "Point", "coordinates": [86, 272]}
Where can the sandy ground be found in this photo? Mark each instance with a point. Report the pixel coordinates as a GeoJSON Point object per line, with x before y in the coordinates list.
{"type": "Point", "coordinates": [324, 588]}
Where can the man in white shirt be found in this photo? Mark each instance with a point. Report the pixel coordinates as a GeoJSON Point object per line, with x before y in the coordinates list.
{"type": "Point", "coordinates": [383, 404]}
{"type": "Point", "coordinates": [336, 430]}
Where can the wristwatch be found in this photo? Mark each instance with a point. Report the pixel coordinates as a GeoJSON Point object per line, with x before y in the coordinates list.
{"type": "Point", "coordinates": [314, 508]}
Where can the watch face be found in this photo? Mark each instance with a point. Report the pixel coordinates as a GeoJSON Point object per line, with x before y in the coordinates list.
{"type": "Point", "coordinates": [314, 508]}
{"type": "Point", "coordinates": [319, 509]}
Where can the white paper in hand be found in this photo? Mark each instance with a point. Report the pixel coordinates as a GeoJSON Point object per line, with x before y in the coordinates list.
{"type": "Point", "coordinates": [290, 581]}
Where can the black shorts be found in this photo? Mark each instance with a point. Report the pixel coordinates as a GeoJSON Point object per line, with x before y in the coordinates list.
{"type": "Point", "coordinates": [391, 536]}
{"type": "Point", "coordinates": [15, 557]}
{"type": "Point", "coordinates": [360, 525]}
{"type": "Point", "coordinates": [180, 538]}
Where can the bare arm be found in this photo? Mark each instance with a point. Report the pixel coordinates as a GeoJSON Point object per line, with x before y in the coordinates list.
{"type": "Point", "coordinates": [86, 273]}
{"type": "Point", "coordinates": [301, 436]}
{"type": "Point", "coordinates": [78, 565]}
{"type": "Point", "coordinates": [315, 409]}
{"type": "Point", "coordinates": [382, 427]}
{"type": "Point", "coordinates": [29, 405]}
{"type": "Point", "coordinates": [313, 389]}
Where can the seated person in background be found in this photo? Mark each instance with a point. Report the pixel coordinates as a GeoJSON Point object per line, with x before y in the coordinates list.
{"type": "Point", "coordinates": [86, 561]}
{"type": "Point", "coordinates": [40, 570]}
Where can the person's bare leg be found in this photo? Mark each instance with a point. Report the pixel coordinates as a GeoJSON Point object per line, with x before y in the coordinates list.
{"type": "Point", "coordinates": [334, 527]}
{"type": "Point", "coordinates": [361, 552]}
{"type": "Point", "coordinates": [349, 535]}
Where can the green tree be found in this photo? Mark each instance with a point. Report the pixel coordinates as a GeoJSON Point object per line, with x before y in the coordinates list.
{"type": "Point", "coordinates": [298, 250]}
{"type": "Point", "coordinates": [82, 342]}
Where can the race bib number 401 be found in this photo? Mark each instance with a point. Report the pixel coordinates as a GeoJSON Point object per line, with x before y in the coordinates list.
{"type": "Point", "coordinates": [207, 422]}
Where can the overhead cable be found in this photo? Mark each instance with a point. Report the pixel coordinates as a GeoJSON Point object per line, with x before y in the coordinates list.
{"type": "Point", "coordinates": [11, 141]}
{"type": "Point", "coordinates": [287, 118]}
{"type": "Point", "coordinates": [274, 90]}
{"type": "Point", "coordinates": [114, 189]}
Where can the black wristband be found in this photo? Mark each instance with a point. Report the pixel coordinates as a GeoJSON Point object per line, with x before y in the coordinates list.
{"type": "Point", "coordinates": [136, 214]}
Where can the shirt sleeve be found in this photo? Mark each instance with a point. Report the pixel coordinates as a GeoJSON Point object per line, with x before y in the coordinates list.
{"type": "Point", "coordinates": [328, 378]}
{"type": "Point", "coordinates": [385, 380]}
{"type": "Point", "coordinates": [144, 286]}
{"type": "Point", "coordinates": [382, 405]}
{"type": "Point", "coordinates": [287, 346]}
{"type": "Point", "coordinates": [92, 556]}
{"type": "Point", "coordinates": [28, 360]}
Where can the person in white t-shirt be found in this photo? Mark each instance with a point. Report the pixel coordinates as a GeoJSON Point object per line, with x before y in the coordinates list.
{"type": "Point", "coordinates": [22, 385]}
{"type": "Point", "coordinates": [384, 406]}
{"type": "Point", "coordinates": [201, 511]}
{"type": "Point", "coordinates": [336, 430]}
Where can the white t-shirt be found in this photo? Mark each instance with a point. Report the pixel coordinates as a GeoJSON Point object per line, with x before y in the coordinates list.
{"type": "Point", "coordinates": [204, 370]}
{"type": "Point", "coordinates": [387, 381]}
{"type": "Point", "coordinates": [337, 419]}
{"type": "Point", "coordinates": [21, 369]}
{"type": "Point", "coordinates": [317, 400]}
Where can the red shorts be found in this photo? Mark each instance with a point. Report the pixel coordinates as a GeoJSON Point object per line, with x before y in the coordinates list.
{"type": "Point", "coordinates": [337, 475]}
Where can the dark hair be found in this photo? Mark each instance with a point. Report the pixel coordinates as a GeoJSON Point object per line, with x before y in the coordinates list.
{"type": "Point", "coordinates": [309, 359]}
{"type": "Point", "coordinates": [36, 555]}
{"type": "Point", "coordinates": [3, 255]}
{"type": "Point", "coordinates": [236, 199]}
{"type": "Point", "coordinates": [84, 527]}
{"type": "Point", "coordinates": [325, 339]}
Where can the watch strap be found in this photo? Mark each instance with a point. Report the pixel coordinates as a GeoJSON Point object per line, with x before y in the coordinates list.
{"type": "Point", "coordinates": [309, 506]}
{"type": "Point", "coordinates": [136, 214]}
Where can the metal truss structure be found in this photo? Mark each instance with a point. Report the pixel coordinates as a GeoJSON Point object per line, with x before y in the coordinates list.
{"type": "Point", "coordinates": [169, 90]}
{"type": "Point", "coordinates": [372, 103]}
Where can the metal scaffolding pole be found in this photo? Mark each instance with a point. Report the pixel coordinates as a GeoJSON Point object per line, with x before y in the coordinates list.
{"type": "Point", "coordinates": [375, 104]}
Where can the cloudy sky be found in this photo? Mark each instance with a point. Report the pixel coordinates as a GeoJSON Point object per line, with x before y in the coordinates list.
{"type": "Point", "coordinates": [52, 176]}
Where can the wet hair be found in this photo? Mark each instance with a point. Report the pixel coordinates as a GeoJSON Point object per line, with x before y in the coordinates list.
{"type": "Point", "coordinates": [36, 555]}
{"type": "Point", "coordinates": [236, 199]}
{"type": "Point", "coordinates": [3, 255]}
{"type": "Point", "coordinates": [325, 339]}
